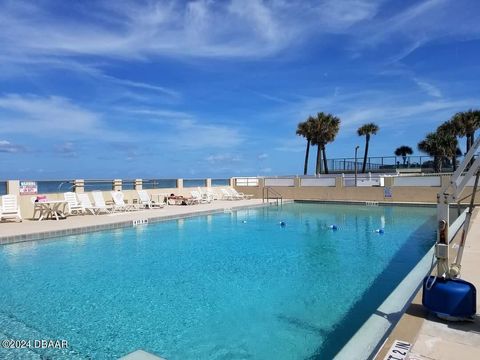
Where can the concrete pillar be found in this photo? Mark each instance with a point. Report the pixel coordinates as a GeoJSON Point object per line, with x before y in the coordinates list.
{"type": "Point", "coordinates": [261, 182]}
{"type": "Point", "coordinates": [13, 187]}
{"type": "Point", "coordinates": [208, 183]}
{"type": "Point", "coordinates": [232, 182]}
{"type": "Point", "coordinates": [138, 184]}
{"type": "Point", "coordinates": [79, 185]}
{"type": "Point", "coordinates": [445, 180]}
{"type": "Point", "coordinates": [388, 181]}
{"type": "Point", "coordinates": [117, 185]}
{"type": "Point", "coordinates": [179, 183]}
{"type": "Point", "coordinates": [296, 182]}
{"type": "Point", "coordinates": [339, 181]}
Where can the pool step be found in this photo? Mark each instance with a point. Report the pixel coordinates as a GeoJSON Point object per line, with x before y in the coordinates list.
{"type": "Point", "coordinates": [140, 355]}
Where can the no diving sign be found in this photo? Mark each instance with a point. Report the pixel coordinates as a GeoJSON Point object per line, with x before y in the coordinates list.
{"type": "Point", "coordinates": [398, 351]}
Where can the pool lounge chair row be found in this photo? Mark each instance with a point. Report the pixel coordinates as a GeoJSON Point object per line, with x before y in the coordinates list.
{"type": "Point", "coordinates": [76, 204]}
{"type": "Point", "coordinates": [100, 206]}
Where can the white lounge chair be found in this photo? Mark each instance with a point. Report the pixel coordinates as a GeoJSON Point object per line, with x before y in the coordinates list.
{"type": "Point", "coordinates": [196, 196]}
{"type": "Point", "coordinates": [147, 202]}
{"type": "Point", "coordinates": [88, 206]}
{"type": "Point", "coordinates": [239, 195]}
{"type": "Point", "coordinates": [99, 202]}
{"type": "Point", "coordinates": [119, 203]}
{"type": "Point", "coordinates": [207, 194]}
{"type": "Point", "coordinates": [226, 195]}
{"type": "Point", "coordinates": [212, 194]}
{"type": "Point", "coordinates": [73, 206]}
{"type": "Point", "coordinates": [36, 207]}
{"type": "Point", "coordinates": [9, 208]}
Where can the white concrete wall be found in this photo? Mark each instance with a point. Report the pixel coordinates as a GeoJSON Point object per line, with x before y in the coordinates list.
{"type": "Point", "coordinates": [279, 182]}
{"type": "Point", "coordinates": [318, 182]}
{"type": "Point", "coordinates": [417, 181]}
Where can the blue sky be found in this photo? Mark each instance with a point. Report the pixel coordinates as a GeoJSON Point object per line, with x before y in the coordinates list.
{"type": "Point", "coordinates": [155, 89]}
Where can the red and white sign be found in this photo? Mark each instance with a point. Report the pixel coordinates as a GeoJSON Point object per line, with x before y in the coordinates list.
{"type": "Point", "coordinates": [28, 188]}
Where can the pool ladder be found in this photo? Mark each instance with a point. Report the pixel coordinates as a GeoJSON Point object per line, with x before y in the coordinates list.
{"type": "Point", "coordinates": [269, 193]}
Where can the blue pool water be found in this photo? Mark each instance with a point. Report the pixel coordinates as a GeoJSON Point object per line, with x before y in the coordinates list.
{"type": "Point", "coordinates": [226, 286]}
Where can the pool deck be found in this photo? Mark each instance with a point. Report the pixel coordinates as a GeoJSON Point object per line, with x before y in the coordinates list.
{"type": "Point", "coordinates": [12, 232]}
{"type": "Point", "coordinates": [435, 339]}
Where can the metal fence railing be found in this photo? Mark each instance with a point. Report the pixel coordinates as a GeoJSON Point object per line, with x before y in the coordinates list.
{"type": "Point", "coordinates": [159, 183]}
{"type": "Point", "coordinates": [194, 182]}
{"type": "Point", "coordinates": [388, 163]}
{"type": "Point", "coordinates": [98, 185]}
{"type": "Point", "coordinates": [220, 182]}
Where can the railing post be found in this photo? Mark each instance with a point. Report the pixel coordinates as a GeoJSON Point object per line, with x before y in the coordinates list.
{"type": "Point", "coordinates": [179, 183]}
{"type": "Point", "coordinates": [13, 187]}
{"type": "Point", "coordinates": [117, 185]}
{"type": "Point", "coordinates": [138, 184]}
{"type": "Point", "coordinates": [339, 181]}
{"type": "Point", "coordinates": [79, 185]}
{"type": "Point", "coordinates": [208, 183]}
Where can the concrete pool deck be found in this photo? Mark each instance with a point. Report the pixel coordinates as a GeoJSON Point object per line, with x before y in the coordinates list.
{"type": "Point", "coordinates": [435, 339]}
{"type": "Point", "coordinates": [12, 232]}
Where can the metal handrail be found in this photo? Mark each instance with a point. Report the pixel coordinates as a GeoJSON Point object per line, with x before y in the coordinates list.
{"type": "Point", "coordinates": [277, 195]}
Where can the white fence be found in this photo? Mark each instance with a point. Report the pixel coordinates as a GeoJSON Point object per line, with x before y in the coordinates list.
{"type": "Point", "coordinates": [417, 181]}
{"type": "Point", "coordinates": [317, 182]}
{"type": "Point", "coordinates": [363, 182]}
{"type": "Point", "coordinates": [246, 181]}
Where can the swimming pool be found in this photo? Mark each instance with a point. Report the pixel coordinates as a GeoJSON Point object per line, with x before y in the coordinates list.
{"type": "Point", "coordinates": [226, 286]}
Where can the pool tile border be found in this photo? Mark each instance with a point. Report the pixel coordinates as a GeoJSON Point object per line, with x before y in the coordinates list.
{"type": "Point", "coordinates": [363, 202]}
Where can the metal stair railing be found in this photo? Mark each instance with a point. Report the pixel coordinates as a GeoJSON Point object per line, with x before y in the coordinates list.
{"type": "Point", "coordinates": [269, 193]}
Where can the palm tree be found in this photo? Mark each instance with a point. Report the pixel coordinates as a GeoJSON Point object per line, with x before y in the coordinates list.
{"type": "Point", "coordinates": [403, 151]}
{"type": "Point", "coordinates": [367, 130]}
{"type": "Point", "coordinates": [465, 124]}
{"type": "Point", "coordinates": [325, 129]}
{"type": "Point", "coordinates": [450, 131]}
{"type": "Point", "coordinates": [305, 129]}
{"type": "Point", "coordinates": [440, 145]}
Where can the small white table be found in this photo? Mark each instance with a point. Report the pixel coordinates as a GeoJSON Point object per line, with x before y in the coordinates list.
{"type": "Point", "coordinates": [51, 209]}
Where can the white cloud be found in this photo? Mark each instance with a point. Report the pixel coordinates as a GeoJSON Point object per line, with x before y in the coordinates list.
{"type": "Point", "coordinates": [193, 134]}
{"type": "Point", "coordinates": [262, 156]}
{"type": "Point", "coordinates": [224, 159]}
{"type": "Point", "coordinates": [429, 88]}
{"type": "Point", "coordinates": [66, 149]}
{"type": "Point", "coordinates": [44, 115]}
{"type": "Point", "coordinates": [419, 24]}
{"type": "Point", "coordinates": [205, 28]}
{"type": "Point", "coordinates": [8, 147]}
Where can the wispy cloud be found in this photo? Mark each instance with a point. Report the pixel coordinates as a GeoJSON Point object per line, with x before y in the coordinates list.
{"type": "Point", "coordinates": [419, 24]}
{"type": "Point", "coordinates": [8, 147]}
{"type": "Point", "coordinates": [66, 149]}
{"type": "Point", "coordinates": [54, 117]}
{"type": "Point", "coordinates": [192, 134]}
{"type": "Point", "coordinates": [44, 115]}
{"type": "Point", "coordinates": [235, 28]}
{"type": "Point", "coordinates": [429, 88]}
{"type": "Point", "coordinates": [223, 158]}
